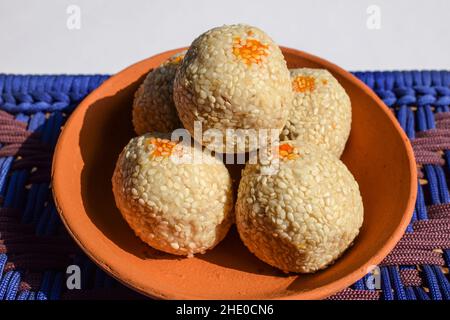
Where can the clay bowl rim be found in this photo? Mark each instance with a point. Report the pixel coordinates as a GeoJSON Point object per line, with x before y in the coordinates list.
{"type": "Point", "coordinates": [317, 293]}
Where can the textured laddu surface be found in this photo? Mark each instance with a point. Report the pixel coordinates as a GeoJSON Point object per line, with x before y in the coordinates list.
{"type": "Point", "coordinates": [35, 249]}
{"type": "Point", "coordinates": [179, 208]}
{"type": "Point", "coordinates": [304, 216]}
{"type": "Point", "coordinates": [207, 86]}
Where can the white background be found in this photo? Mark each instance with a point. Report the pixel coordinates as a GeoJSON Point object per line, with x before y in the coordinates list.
{"type": "Point", "coordinates": [34, 37]}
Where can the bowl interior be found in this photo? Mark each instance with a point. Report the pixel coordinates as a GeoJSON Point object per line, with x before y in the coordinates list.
{"type": "Point", "coordinates": [377, 153]}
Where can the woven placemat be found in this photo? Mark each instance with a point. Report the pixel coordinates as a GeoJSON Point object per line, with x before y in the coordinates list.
{"type": "Point", "coordinates": [35, 249]}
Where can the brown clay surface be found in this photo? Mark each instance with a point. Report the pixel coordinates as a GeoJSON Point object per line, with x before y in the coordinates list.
{"type": "Point", "coordinates": [378, 154]}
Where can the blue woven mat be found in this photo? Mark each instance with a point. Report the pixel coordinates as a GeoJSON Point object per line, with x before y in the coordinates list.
{"type": "Point", "coordinates": [35, 249]}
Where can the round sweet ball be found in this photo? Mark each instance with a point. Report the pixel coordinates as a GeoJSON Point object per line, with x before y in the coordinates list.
{"type": "Point", "coordinates": [302, 216]}
{"type": "Point", "coordinates": [153, 106]}
{"type": "Point", "coordinates": [321, 113]}
{"type": "Point", "coordinates": [172, 203]}
{"type": "Point", "coordinates": [233, 77]}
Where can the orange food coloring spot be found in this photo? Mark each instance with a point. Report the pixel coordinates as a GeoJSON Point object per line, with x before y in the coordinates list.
{"type": "Point", "coordinates": [288, 152]}
{"type": "Point", "coordinates": [303, 84]}
{"type": "Point", "coordinates": [162, 147]}
{"type": "Point", "coordinates": [251, 51]}
{"type": "Point", "coordinates": [175, 60]}
{"type": "Point", "coordinates": [324, 82]}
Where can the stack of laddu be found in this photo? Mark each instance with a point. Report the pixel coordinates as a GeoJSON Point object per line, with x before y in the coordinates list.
{"type": "Point", "coordinates": [301, 217]}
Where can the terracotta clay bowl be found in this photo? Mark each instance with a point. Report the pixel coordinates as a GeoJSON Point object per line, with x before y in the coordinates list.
{"type": "Point", "coordinates": [378, 154]}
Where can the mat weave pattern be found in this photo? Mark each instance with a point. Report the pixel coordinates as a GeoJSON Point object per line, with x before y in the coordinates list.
{"type": "Point", "coordinates": [35, 249]}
